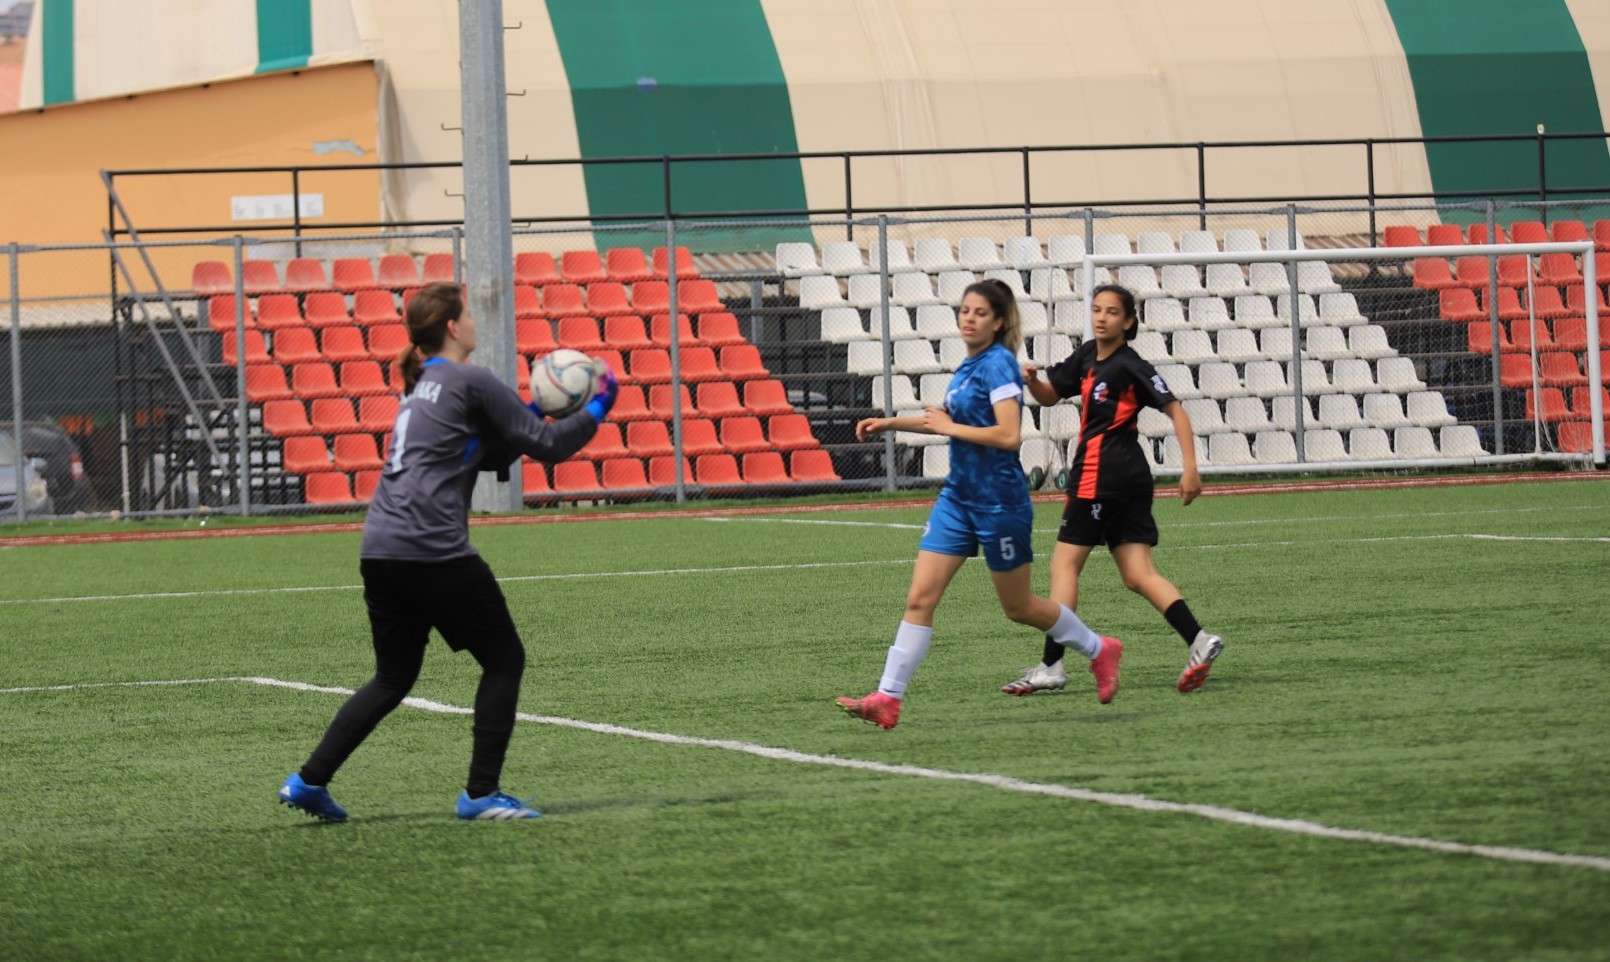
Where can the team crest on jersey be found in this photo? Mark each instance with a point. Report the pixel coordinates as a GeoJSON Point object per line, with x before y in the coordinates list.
{"type": "Point", "coordinates": [1095, 511]}
{"type": "Point", "coordinates": [1099, 392]}
{"type": "Point", "coordinates": [1160, 385]}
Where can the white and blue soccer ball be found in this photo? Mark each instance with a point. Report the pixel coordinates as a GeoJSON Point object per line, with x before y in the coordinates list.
{"type": "Point", "coordinates": [562, 381]}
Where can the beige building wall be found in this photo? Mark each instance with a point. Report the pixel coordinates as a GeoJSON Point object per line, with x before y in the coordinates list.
{"type": "Point", "coordinates": [54, 194]}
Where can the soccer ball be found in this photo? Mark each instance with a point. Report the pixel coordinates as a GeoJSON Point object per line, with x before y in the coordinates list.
{"type": "Point", "coordinates": [562, 381]}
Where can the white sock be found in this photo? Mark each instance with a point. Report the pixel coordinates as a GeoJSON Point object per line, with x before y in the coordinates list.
{"type": "Point", "coordinates": [909, 649]}
{"type": "Point", "coordinates": [1073, 633]}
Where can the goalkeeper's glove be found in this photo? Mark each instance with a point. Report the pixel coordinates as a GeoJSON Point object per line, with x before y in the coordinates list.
{"type": "Point", "coordinates": [599, 406]}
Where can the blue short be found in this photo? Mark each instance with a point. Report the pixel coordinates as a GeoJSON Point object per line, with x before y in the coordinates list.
{"type": "Point", "coordinates": [1004, 533]}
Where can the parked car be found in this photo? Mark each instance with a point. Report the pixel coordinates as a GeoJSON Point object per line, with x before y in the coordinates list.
{"type": "Point", "coordinates": [63, 468]}
{"type": "Point", "coordinates": [35, 494]}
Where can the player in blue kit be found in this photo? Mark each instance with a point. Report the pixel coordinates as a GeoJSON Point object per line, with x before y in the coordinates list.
{"type": "Point", "coordinates": [418, 567]}
{"type": "Point", "coordinates": [983, 504]}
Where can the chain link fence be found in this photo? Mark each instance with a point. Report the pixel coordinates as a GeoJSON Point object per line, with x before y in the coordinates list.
{"type": "Point", "coordinates": [253, 376]}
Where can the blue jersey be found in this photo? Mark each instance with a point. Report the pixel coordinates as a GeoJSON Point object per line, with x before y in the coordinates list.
{"type": "Point", "coordinates": [982, 476]}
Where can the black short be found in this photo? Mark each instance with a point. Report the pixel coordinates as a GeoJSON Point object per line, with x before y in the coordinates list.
{"type": "Point", "coordinates": [1110, 521]}
{"type": "Point", "coordinates": [459, 597]}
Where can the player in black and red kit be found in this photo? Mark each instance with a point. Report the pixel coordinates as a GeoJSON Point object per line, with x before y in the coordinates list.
{"type": "Point", "coordinates": [1110, 481]}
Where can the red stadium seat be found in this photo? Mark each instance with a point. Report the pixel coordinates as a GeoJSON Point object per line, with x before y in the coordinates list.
{"type": "Point", "coordinates": [631, 405]}
{"type": "Point", "coordinates": [625, 332]}
{"type": "Point", "coordinates": [660, 330]}
{"type": "Point", "coordinates": [699, 364]}
{"type": "Point", "coordinates": [535, 268]}
{"type": "Point", "coordinates": [353, 274]}
{"type": "Point", "coordinates": [277, 311]}
{"type": "Point", "coordinates": [649, 365]}
{"type": "Point", "coordinates": [386, 341]}
{"type": "Point", "coordinates": [719, 399]}
{"type": "Point", "coordinates": [211, 277]}
{"type": "Point", "coordinates": [1552, 407]}
{"type": "Point", "coordinates": [399, 272]}
{"type": "Point", "coordinates": [534, 336]}
{"type": "Point", "coordinates": [356, 452]}
{"type": "Point", "coordinates": [364, 484]}
{"type": "Point", "coordinates": [571, 477]}
{"type": "Point", "coordinates": [627, 265]}
{"type": "Point", "coordinates": [1515, 270]}
{"type": "Point", "coordinates": [1515, 370]}
{"type": "Point", "coordinates": [1400, 235]}
{"type": "Point", "coordinates": [1568, 231]}
{"type": "Point", "coordinates": [607, 299]}
{"type": "Point", "coordinates": [1559, 369]}
{"type": "Point", "coordinates": [1433, 274]}
{"type": "Point", "coordinates": [1601, 236]}
{"type": "Point", "coordinates": [334, 415]}
{"type": "Point", "coordinates": [1477, 234]}
{"type": "Point", "coordinates": [765, 467]}
{"type": "Point", "coordinates": [812, 465]}
{"type": "Point", "coordinates": [789, 432]}
{"type": "Point", "coordinates": [649, 439]}
{"type": "Point", "coordinates": [1523, 333]}
{"type": "Point", "coordinates": [534, 478]}
{"type": "Point", "coordinates": [1558, 269]}
{"type": "Point", "coordinates": [439, 267]}
{"type": "Point", "coordinates": [582, 267]}
{"type": "Point", "coordinates": [221, 313]}
{"type": "Point", "coordinates": [361, 378]}
{"type": "Point", "coordinates": [684, 263]}
{"type": "Point", "coordinates": [662, 471]}
{"type": "Point", "coordinates": [605, 444]}
{"type": "Point", "coordinates": [699, 437]}
{"type": "Point", "coordinates": [741, 435]}
{"type": "Point", "coordinates": [266, 382]}
{"type": "Point", "coordinates": [1479, 337]}
{"type": "Point", "coordinates": [339, 344]}
{"type": "Point", "coordinates": [314, 379]}
{"type": "Point", "coordinates": [1582, 402]}
{"type": "Point", "coordinates": [375, 307]}
{"type": "Point", "coordinates": [285, 419]}
{"type": "Point", "coordinates": [378, 412]}
{"type": "Point", "coordinates": [1471, 272]}
{"type": "Point", "coordinates": [765, 397]}
{"type": "Point", "coordinates": [1459, 304]}
{"type": "Point", "coordinates": [527, 302]}
{"type": "Point", "coordinates": [306, 274]}
{"type": "Point", "coordinates": [659, 401]}
{"type": "Point", "coordinates": [564, 300]}
{"type": "Point", "coordinates": [1571, 334]}
{"type": "Point", "coordinates": [326, 309]}
{"type": "Point", "coordinates": [328, 487]}
{"type": "Point", "coordinates": [256, 348]}
{"type": "Point", "coordinates": [579, 333]}
{"type": "Point", "coordinates": [259, 277]}
{"type": "Point", "coordinates": [295, 346]}
{"type": "Point", "coordinates": [624, 474]}
{"type": "Point", "coordinates": [720, 329]}
{"type": "Point", "coordinates": [306, 454]}
{"type": "Point", "coordinates": [1528, 232]}
{"type": "Point", "coordinates": [650, 298]}
{"type": "Point", "coordinates": [717, 470]}
{"type": "Point", "coordinates": [1444, 235]}
{"type": "Point", "coordinates": [741, 362]}
{"type": "Point", "coordinates": [698, 297]}
{"type": "Point", "coordinates": [1547, 304]}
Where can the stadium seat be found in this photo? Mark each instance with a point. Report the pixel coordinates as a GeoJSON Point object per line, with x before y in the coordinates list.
{"type": "Point", "coordinates": [717, 470]}
{"type": "Point", "coordinates": [979, 254]}
{"type": "Point", "coordinates": [899, 257]}
{"type": "Point", "coordinates": [378, 413]}
{"type": "Point", "coordinates": [1558, 269]}
{"type": "Point", "coordinates": [304, 275]}
{"type": "Point", "coordinates": [819, 292]}
{"type": "Point", "coordinates": [398, 272]}
{"type": "Point", "coordinates": [624, 474]}
{"type": "Point", "coordinates": [1472, 273]}
{"type": "Point", "coordinates": [1576, 437]}
{"type": "Point", "coordinates": [1433, 274]}
{"type": "Point", "coordinates": [1601, 236]}
{"type": "Point", "coordinates": [765, 397]}
{"type": "Point", "coordinates": [696, 296]}
{"type": "Point", "coordinates": [1524, 335]}
{"type": "Point", "coordinates": [764, 467]}
{"type": "Point", "coordinates": [1369, 341]}
{"type": "Point", "coordinates": [1582, 401]}
{"type": "Point", "coordinates": [535, 269]}
{"type": "Point", "coordinates": [304, 454]}
{"type": "Point", "coordinates": [1244, 414]}
{"type": "Point", "coordinates": [626, 332]}
{"type": "Point", "coordinates": [314, 379]}
{"type": "Point", "coordinates": [386, 341]}
{"type": "Point", "coordinates": [1384, 411]}
{"type": "Point", "coordinates": [1218, 379]}
{"type": "Point", "coordinates": [698, 363]}
{"type": "Point", "coordinates": [630, 404]}
{"type": "Point", "coordinates": [564, 300]}
{"type": "Point", "coordinates": [534, 478]}
{"type": "Point", "coordinates": [660, 401]}
{"type": "Point", "coordinates": [1284, 410]}
{"type": "Point", "coordinates": [266, 382]}
{"type": "Point", "coordinates": [1412, 442]}
{"type": "Point", "coordinates": [1576, 300]}
{"type": "Point", "coordinates": [936, 461]}
{"type": "Point", "coordinates": [1229, 448]}
{"type": "Point", "coordinates": [1461, 441]}
{"type": "Point", "coordinates": [1274, 447]}
{"type": "Point", "coordinates": [741, 435]}
{"type": "Point", "coordinates": [1479, 337]}
{"type": "Point", "coordinates": [353, 274]}
{"type": "Point", "coordinates": [607, 298]}
{"type": "Point", "coordinates": [1547, 403]}
{"type": "Point", "coordinates": [1560, 369]}
{"type": "Point", "coordinates": [796, 259]}
{"type": "Point", "coordinates": [1397, 374]}
{"type": "Point", "coordinates": [370, 307]}
{"type": "Point", "coordinates": [1477, 234]}
{"type": "Point", "coordinates": [533, 336]}
{"type": "Point", "coordinates": [740, 362]}
{"type": "Point", "coordinates": [1205, 415]}
{"type": "Point", "coordinates": [1509, 305]}
{"type": "Point", "coordinates": [1514, 270]}
{"type": "Point", "coordinates": [580, 333]}
{"type": "Point", "coordinates": [1459, 304]}
{"type": "Point", "coordinates": [326, 309]}
{"type": "Point", "coordinates": [364, 483]}
{"type": "Point", "coordinates": [256, 348]}
{"type": "Point", "coordinates": [327, 487]}
{"type": "Point", "coordinates": [259, 277]}
{"type": "Point", "coordinates": [627, 266]}
{"type": "Point", "coordinates": [1515, 370]}
{"type": "Point", "coordinates": [439, 267]}
{"type": "Point", "coordinates": [527, 302]}
{"type": "Point", "coordinates": [913, 289]}
{"type": "Point", "coordinates": [648, 365]}
{"type": "Point", "coordinates": [222, 313]}
{"type": "Point", "coordinates": [649, 439]}
{"type": "Point", "coordinates": [1340, 308]}
{"type": "Point", "coordinates": [1568, 231]}
{"type": "Point", "coordinates": [338, 344]}
{"type": "Point", "coordinates": [296, 346]}
{"type": "Point", "coordinates": [1428, 409]}
{"type": "Point", "coordinates": [575, 477]}
{"type": "Point", "coordinates": [606, 444]}
{"type": "Point", "coordinates": [1324, 445]}
{"type": "Point", "coordinates": [1571, 334]}
{"type": "Point", "coordinates": [615, 361]}
{"type": "Point", "coordinates": [1444, 235]}
{"type": "Point", "coordinates": [356, 452]}
{"type": "Point", "coordinates": [812, 465]}
{"type": "Point", "coordinates": [789, 432]}
{"type": "Point", "coordinates": [662, 471]}
{"type": "Point", "coordinates": [719, 329]}
{"type": "Point", "coordinates": [582, 268]}
{"type": "Point", "coordinates": [286, 418]}
{"type": "Point", "coordinates": [1339, 411]}
{"type": "Point", "coordinates": [684, 263]}
{"type": "Point", "coordinates": [208, 278]}
{"type": "Point", "coordinates": [699, 436]}
{"type": "Point", "coordinates": [659, 330]}
{"type": "Point", "coordinates": [719, 399]}
{"type": "Point", "coordinates": [334, 415]}
{"type": "Point", "coordinates": [1400, 235]}
{"type": "Point", "coordinates": [1528, 232]}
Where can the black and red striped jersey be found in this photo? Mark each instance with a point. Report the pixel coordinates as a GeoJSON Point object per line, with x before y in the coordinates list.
{"type": "Point", "coordinates": [1108, 461]}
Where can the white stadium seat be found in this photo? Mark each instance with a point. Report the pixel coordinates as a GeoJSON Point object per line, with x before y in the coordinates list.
{"type": "Point", "coordinates": [797, 259]}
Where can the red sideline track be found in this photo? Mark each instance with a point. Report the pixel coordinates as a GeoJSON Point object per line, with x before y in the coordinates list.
{"type": "Point", "coordinates": [1164, 491]}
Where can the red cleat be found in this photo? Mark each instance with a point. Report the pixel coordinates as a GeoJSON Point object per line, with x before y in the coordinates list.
{"type": "Point", "coordinates": [879, 709]}
{"type": "Point", "coordinates": [1105, 667]}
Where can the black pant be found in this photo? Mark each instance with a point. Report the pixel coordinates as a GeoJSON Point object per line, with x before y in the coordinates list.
{"type": "Point", "coordinates": [461, 599]}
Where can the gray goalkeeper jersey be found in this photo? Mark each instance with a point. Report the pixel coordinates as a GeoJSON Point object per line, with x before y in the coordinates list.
{"type": "Point", "coordinates": [458, 421]}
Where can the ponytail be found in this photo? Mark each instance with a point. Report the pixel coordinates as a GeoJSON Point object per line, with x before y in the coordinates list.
{"type": "Point", "coordinates": [427, 314]}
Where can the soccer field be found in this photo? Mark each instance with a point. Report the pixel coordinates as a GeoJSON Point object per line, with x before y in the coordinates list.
{"type": "Point", "coordinates": [1403, 753]}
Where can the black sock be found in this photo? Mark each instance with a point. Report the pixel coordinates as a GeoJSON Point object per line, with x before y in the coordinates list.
{"type": "Point", "coordinates": [1053, 652]}
{"type": "Point", "coordinates": [1179, 616]}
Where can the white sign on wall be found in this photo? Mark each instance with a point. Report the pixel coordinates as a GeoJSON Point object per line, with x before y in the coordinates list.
{"type": "Point", "coordinates": [273, 206]}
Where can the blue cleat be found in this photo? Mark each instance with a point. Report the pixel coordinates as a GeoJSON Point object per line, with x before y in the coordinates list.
{"type": "Point", "coordinates": [494, 806]}
{"type": "Point", "coordinates": [312, 799]}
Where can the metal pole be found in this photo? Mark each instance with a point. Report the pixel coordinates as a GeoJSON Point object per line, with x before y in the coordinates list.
{"type": "Point", "coordinates": [487, 280]}
{"type": "Point", "coordinates": [885, 343]}
{"type": "Point", "coordinates": [1542, 178]}
{"type": "Point", "coordinates": [1201, 186]}
{"type": "Point", "coordinates": [674, 306]}
{"type": "Point", "coordinates": [1299, 404]}
{"type": "Point", "coordinates": [1369, 179]}
{"type": "Point", "coordinates": [1590, 282]}
{"type": "Point", "coordinates": [1492, 316]}
{"type": "Point", "coordinates": [16, 382]}
{"type": "Point", "coordinates": [1028, 202]}
{"type": "Point", "coordinates": [241, 427]}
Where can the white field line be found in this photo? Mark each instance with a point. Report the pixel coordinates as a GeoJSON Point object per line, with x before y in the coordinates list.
{"type": "Point", "coordinates": [1141, 803]}
{"type": "Point", "coordinates": [801, 566]}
